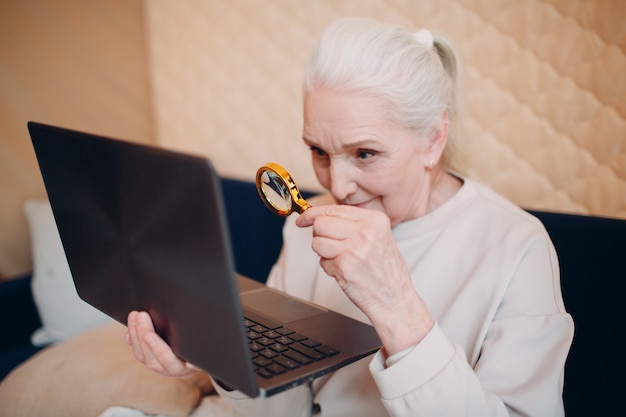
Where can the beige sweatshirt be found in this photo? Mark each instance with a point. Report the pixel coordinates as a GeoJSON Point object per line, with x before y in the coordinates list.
{"type": "Point", "coordinates": [489, 274]}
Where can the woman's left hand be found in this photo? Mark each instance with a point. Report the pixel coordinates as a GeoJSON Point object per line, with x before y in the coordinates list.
{"type": "Point", "coordinates": [357, 248]}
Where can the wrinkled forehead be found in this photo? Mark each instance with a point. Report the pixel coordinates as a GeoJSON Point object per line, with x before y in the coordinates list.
{"type": "Point", "coordinates": [337, 109]}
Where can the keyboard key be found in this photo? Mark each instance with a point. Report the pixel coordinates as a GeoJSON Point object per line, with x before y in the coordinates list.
{"type": "Point", "coordinates": [255, 347]}
{"type": "Point", "coordinates": [262, 321]}
{"type": "Point", "coordinates": [264, 341]}
{"type": "Point", "coordinates": [313, 354]}
{"type": "Point", "coordinates": [272, 334]}
{"type": "Point", "coordinates": [326, 350]}
{"type": "Point", "coordinates": [268, 353]}
{"type": "Point", "coordinates": [310, 343]}
{"type": "Point", "coordinates": [258, 328]}
{"type": "Point", "coordinates": [301, 359]}
{"type": "Point", "coordinates": [286, 362]}
{"type": "Point", "coordinates": [284, 340]}
{"type": "Point", "coordinates": [277, 347]}
{"type": "Point", "coordinates": [284, 331]}
{"type": "Point", "coordinates": [261, 361]}
{"type": "Point", "coordinates": [253, 335]}
{"type": "Point", "coordinates": [297, 337]}
{"type": "Point", "coordinates": [276, 369]}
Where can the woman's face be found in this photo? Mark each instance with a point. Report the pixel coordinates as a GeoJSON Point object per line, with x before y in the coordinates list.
{"type": "Point", "coordinates": [362, 158]}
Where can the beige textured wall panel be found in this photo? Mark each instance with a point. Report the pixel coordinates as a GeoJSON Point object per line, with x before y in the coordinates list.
{"type": "Point", "coordinates": [544, 89]}
{"type": "Point", "coordinates": [80, 64]}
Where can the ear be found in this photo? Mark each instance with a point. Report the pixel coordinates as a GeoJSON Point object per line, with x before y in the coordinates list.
{"type": "Point", "coordinates": [437, 143]}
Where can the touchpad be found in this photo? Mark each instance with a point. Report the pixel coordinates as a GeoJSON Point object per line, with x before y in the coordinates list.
{"type": "Point", "coordinates": [278, 306]}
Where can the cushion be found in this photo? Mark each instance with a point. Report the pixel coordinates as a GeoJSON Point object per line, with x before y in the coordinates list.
{"type": "Point", "coordinates": [62, 312]}
{"type": "Point", "coordinates": [90, 373]}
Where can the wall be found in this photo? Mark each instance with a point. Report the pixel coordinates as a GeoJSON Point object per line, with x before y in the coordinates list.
{"type": "Point", "coordinates": [544, 91]}
{"type": "Point", "coordinates": [79, 64]}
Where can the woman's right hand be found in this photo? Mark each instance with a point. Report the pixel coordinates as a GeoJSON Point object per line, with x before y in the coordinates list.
{"type": "Point", "coordinates": [151, 350]}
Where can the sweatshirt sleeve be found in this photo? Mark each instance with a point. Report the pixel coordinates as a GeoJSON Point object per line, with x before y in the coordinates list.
{"type": "Point", "coordinates": [520, 368]}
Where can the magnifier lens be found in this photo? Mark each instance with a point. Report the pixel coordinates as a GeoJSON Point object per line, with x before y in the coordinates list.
{"type": "Point", "coordinates": [278, 191]}
{"type": "Point", "coordinates": [275, 191]}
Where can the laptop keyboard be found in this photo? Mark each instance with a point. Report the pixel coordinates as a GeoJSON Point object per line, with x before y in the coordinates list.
{"type": "Point", "coordinates": [276, 349]}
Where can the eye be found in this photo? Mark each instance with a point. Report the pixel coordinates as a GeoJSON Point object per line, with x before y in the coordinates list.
{"type": "Point", "coordinates": [317, 151]}
{"type": "Point", "coordinates": [364, 154]}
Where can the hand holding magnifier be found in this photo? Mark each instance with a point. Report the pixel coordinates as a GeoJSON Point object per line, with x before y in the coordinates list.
{"type": "Point", "coordinates": [278, 190]}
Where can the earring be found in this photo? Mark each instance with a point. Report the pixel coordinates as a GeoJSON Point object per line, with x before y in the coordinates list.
{"type": "Point", "coordinates": [430, 165]}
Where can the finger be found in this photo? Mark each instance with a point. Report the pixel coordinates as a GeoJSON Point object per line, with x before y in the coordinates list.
{"type": "Point", "coordinates": [309, 216]}
{"type": "Point", "coordinates": [132, 336]}
{"type": "Point", "coordinates": [330, 268]}
{"type": "Point", "coordinates": [144, 338]}
{"type": "Point", "coordinates": [334, 228]}
{"type": "Point", "coordinates": [147, 342]}
{"type": "Point", "coordinates": [191, 366]}
{"type": "Point", "coordinates": [157, 354]}
{"type": "Point", "coordinates": [327, 247]}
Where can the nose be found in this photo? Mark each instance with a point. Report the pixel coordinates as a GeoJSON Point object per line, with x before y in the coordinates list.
{"type": "Point", "coordinates": [342, 181]}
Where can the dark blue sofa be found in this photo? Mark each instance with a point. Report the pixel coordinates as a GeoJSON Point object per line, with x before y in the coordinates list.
{"type": "Point", "coordinates": [592, 253]}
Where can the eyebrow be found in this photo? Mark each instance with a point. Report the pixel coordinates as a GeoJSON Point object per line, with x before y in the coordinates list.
{"type": "Point", "coordinates": [365, 143]}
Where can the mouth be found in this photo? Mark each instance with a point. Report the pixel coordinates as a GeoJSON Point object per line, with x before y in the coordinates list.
{"type": "Point", "coordinates": [363, 204]}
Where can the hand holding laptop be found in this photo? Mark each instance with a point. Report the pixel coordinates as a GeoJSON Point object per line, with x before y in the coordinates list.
{"type": "Point", "coordinates": [151, 350]}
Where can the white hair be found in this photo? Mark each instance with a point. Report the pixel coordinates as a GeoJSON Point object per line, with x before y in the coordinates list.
{"type": "Point", "coordinates": [416, 79]}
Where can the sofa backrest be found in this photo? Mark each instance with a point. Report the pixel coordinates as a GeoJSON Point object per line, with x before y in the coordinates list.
{"type": "Point", "coordinates": [255, 232]}
{"type": "Point", "coordinates": [592, 258]}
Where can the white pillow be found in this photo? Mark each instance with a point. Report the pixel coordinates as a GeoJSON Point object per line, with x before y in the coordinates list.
{"type": "Point", "coordinates": [62, 312]}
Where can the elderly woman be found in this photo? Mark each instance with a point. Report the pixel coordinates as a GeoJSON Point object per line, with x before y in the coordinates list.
{"type": "Point", "coordinates": [461, 286]}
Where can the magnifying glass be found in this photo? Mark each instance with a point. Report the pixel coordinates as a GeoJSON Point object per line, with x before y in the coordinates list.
{"type": "Point", "coordinates": [278, 190]}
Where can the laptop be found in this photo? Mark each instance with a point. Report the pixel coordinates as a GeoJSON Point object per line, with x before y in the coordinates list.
{"type": "Point", "coordinates": [145, 228]}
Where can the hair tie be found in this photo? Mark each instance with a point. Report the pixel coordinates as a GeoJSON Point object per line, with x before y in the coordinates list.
{"type": "Point", "coordinates": [424, 37]}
